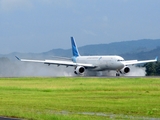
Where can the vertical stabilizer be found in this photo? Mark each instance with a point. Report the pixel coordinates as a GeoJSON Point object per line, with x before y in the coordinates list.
{"type": "Point", "coordinates": [74, 48]}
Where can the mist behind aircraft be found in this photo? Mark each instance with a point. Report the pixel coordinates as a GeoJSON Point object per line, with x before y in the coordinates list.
{"type": "Point", "coordinates": [10, 68]}
{"type": "Point", "coordinates": [17, 69]}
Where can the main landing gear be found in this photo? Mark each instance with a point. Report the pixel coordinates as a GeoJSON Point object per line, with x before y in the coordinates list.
{"type": "Point", "coordinates": [118, 73]}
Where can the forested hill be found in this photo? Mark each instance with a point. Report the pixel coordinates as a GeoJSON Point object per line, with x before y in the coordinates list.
{"type": "Point", "coordinates": [135, 49]}
{"type": "Point", "coordinates": [134, 46]}
{"type": "Point", "coordinates": [143, 55]}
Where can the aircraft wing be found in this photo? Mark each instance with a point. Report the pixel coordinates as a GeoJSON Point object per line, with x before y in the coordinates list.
{"type": "Point", "coordinates": [133, 62]}
{"type": "Point", "coordinates": [58, 62]}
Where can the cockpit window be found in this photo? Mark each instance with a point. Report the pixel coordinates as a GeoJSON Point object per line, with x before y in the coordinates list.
{"type": "Point", "coordinates": [120, 60]}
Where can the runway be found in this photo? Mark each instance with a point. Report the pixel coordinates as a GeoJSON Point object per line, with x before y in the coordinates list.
{"type": "Point", "coordinates": [7, 118]}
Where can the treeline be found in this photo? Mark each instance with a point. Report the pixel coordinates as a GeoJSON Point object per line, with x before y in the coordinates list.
{"type": "Point", "coordinates": [153, 69]}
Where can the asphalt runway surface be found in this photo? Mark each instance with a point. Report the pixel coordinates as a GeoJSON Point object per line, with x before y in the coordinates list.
{"type": "Point", "coordinates": [7, 118]}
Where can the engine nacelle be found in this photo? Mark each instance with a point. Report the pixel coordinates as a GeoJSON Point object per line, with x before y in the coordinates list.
{"type": "Point", "coordinates": [124, 70]}
{"type": "Point", "coordinates": [79, 70]}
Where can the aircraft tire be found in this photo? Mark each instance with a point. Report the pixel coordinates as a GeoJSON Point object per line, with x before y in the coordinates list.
{"type": "Point", "coordinates": [117, 74]}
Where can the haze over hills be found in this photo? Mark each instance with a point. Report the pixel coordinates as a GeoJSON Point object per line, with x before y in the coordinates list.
{"type": "Point", "coordinates": [135, 49]}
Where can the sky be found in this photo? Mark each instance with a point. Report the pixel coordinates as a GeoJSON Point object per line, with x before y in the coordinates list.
{"type": "Point", "coordinates": [41, 25]}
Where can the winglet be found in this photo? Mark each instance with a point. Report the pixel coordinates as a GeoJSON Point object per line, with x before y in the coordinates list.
{"type": "Point", "coordinates": [74, 48]}
{"type": "Point", "coordinates": [18, 58]}
{"type": "Point", "coordinates": [156, 58]}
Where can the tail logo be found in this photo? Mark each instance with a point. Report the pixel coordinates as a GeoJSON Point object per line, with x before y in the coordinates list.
{"type": "Point", "coordinates": [74, 48]}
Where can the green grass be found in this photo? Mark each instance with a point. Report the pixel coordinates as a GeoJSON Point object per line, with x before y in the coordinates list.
{"type": "Point", "coordinates": [80, 98]}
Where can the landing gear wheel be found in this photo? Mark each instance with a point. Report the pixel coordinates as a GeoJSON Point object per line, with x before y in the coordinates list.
{"type": "Point", "coordinates": [117, 74]}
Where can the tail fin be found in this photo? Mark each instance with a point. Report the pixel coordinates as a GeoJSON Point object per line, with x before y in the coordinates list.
{"type": "Point", "coordinates": [74, 48]}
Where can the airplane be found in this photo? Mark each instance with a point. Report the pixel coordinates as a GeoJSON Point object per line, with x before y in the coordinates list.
{"type": "Point", "coordinates": [93, 63]}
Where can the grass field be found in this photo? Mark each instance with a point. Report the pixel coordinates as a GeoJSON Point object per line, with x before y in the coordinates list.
{"type": "Point", "coordinates": [80, 98]}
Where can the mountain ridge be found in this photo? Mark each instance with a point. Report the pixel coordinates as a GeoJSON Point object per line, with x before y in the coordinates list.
{"type": "Point", "coordinates": [127, 49]}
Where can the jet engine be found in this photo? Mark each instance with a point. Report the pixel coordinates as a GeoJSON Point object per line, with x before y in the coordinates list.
{"type": "Point", "coordinates": [124, 70]}
{"type": "Point", "coordinates": [79, 70]}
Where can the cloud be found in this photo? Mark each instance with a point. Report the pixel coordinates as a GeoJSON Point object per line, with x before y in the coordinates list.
{"type": "Point", "coordinates": [12, 5]}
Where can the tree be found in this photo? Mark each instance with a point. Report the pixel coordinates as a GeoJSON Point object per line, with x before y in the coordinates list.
{"type": "Point", "coordinates": [152, 69]}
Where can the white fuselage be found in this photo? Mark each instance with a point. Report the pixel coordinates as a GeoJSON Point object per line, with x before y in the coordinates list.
{"type": "Point", "coordinates": [102, 62]}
